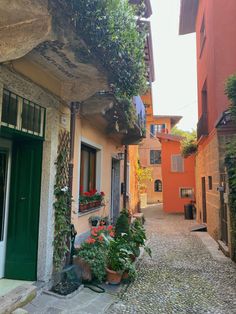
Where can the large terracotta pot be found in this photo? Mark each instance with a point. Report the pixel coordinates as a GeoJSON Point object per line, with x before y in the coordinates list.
{"type": "Point", "coordinates": [113, 277]}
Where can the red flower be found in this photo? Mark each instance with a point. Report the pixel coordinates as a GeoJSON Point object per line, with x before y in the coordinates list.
{"type": "Point", "coordinates": [86, 193]}
{"type": "Point", "coordinates": [90, 240]}
{"type": "Point", "coordinates": [102, 193]}
{"type": "Point", "coordinates": [112, 234]}
{"type": "Point", "coordinates": [100, 238]}
{"type": "Point", "coordinates": [93, 233]}
{"type": "Point", "coordinates": [109, 228]}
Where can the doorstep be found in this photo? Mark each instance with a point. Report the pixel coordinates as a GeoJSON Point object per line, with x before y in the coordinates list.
{"type": "Point", "coordinates": [15, 294]}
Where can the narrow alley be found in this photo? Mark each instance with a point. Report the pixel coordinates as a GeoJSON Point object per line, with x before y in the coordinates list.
{"type": "Point", "coordinates": [187, 274]}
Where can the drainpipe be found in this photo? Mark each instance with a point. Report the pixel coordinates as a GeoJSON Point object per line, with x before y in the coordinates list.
{"type": "Point", "coordinates": [125, 177]}
{"type": "Point", "coordinates": [74, 106]}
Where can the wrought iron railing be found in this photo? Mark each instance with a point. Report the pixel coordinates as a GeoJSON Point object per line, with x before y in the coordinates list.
{"type": "Point", "coordinates": [21, 114]}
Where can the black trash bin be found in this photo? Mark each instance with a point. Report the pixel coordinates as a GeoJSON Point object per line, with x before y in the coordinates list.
{"type": "Point", "coordinates": [188, 211]}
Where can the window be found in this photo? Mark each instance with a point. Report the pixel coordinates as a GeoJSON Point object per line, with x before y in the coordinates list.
{"type": "Point", "coordinates": [177, 163]}
{"type": "Point", "coordinates": [21, 114]}
{"type": "Point", "coordinates": [210, 182]}
{"type": "Point", "coordinates": [202, 35]}
{"type": "Point", "coordinates": [87, 168]}
{"type": "Point", "coordinates": [186, 192]}
{"type": "Point", "coordinates": [158, 186]}
{"type": "Point", "coordinates": [157, 128]}
{"type": "Point", "coordinates": [155, 157]}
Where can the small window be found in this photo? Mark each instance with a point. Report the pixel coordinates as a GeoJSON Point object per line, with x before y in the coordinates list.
{"type": "Point", "coordinates": [158, 186]}
{"type": "Point", "coordinates": [22, 115]}
{"type": "Point", "coordinates": [186, 193]}
{"type": "Point", "coordinates": [157, 128]}
{"type": "Point", "coordinates": [155, 157]}
{"type": "Point", "coordinates": [9, 108]}
{"type": "Point", "coordinates": [210, 182]}
{"type": "Point", "coordinates": [87, 168]}
{"type": "Point", "coordinates": [177, 163]}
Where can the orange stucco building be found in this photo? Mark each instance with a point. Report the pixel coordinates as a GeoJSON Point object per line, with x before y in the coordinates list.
{"type": "Point", "coordinates": [150, 149]}
{"type": "Point", "coordinates": [215, 26]}
{"type": "Point", "coordinates": [178, 174]}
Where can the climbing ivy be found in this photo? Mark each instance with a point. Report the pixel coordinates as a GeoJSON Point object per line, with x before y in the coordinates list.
{"type": "Point", "coordinates": [230, 161]}
{"type": "Point", "coordinates": [62, 203]}
{"type": "Point", "coordinates": [230, 91]}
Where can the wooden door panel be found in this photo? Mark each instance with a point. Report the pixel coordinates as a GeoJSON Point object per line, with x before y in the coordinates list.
{"type": "Point", "coordinates": [22, 241]}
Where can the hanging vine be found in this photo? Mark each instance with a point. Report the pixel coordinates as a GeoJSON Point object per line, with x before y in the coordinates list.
{"type": "Point", "coordinates": [62, 202]}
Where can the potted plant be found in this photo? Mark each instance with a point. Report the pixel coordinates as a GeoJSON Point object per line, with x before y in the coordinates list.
{"type": "Point", "coordinates": [91, 199]}
{"type": "Point", "coordinates": [94, 220]}
{"type": "Point", "coordinates": [138, 237]}
{"type": "Point", "coordinates": [118, 260]}
{"type": "Point", "coordinates": [92, 255]}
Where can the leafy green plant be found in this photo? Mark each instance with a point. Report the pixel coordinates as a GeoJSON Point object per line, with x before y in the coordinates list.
{"type": "Point", "coordinates": [188, 143]}
{"type": "Point", "coordinates": [230, 91]}
{"type": "Point", "coordinates": [118, 256]}
{"type": "Point", "coordinates": [95, 255]}
{"type": "Point", "coordinates": [230, 162]}
{"type": "Point", "coordinates": [112, 34]}
{"type": "Point", "coordinates": [138, 236]}
{"type": "Point", "coordinates": [122, 224]}
{"type": "Point", "coordinates": [144, 175]}
{"type": "Point", "coordinates": [62, 205]}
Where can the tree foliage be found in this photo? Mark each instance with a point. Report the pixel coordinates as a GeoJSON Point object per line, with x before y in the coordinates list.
{"type": "Point", "coordinates": [230, 91]}
{"type": "Point", "coordinates": [188, 143]}
{"type": "Point", "coordinates": [110, 30]}
{"type": "Point", "coordinates": [144, 175]}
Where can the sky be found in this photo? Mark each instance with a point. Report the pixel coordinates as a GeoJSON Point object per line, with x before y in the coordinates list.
{"type": "Point", "coordinates": [175, 87]}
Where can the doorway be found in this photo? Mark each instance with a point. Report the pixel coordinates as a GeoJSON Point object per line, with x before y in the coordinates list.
{"type": "Point", "coordinates": [115, 190]}
{"type": "Point", "coordinates": [204, 206]}
{"type": "Point", "coordinates": [223, 210]}
{"type": "Point", "coordinates": [5, 165]}
{"type": "Point", "coordinates": [20, 216]}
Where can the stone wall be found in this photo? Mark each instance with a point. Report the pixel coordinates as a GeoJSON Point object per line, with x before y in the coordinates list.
{"type": "Point", "coordinates": [207, 164]}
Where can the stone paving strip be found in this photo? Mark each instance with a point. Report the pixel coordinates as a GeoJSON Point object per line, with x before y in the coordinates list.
{"type": "Point", "coordinates": [187, 274]}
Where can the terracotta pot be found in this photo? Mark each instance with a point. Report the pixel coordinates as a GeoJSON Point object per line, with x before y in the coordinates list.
{"type": "Point", "coordinates": [113, 277]}
{"type": "Point", "coordinates": [125, 275]}
{"type": "Point", "coordinates": [84, 268]}
{"type": "Point", "coordinates": [132, 258]}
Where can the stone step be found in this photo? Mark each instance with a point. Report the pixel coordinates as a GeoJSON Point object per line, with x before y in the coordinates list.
{"type": "Point", "coordinates": [17, 298]}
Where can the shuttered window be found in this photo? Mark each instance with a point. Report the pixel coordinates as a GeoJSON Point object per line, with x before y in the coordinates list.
{"type": "Point", "coordinates": [155, 157]}
{"type": "Point", "coordinates": [177, 163]}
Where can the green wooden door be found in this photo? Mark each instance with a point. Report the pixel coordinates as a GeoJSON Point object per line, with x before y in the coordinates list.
{"type": "Point", "coordinates": [23, 222]}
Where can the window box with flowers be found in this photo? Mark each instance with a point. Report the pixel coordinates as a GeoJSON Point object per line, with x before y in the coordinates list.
{"type": "Point", "coordinates": [90, 200]}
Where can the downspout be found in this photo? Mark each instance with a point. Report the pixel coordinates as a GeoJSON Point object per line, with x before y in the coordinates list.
{"type": "Point", "coordinates": [74, 106]}
{"type": "Point", "coordinates": [125, 177]}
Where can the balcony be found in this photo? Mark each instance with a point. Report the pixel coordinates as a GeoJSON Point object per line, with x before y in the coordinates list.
{"type": "Point", "coordinates": [202, 126]}
{"type": "Point", "coordinates": [125, 124]}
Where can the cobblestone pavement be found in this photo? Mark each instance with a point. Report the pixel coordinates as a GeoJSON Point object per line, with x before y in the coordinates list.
{"type": "Point", "coordinates": [185, 275]}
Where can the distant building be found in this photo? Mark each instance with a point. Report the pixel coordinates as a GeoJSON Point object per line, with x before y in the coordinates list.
{"type": "Point", "coordinates": [150, 149]}
{"type": "Point", "coordinates": [178, 174]}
